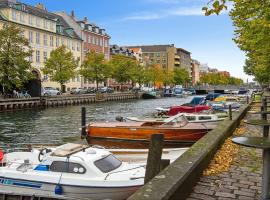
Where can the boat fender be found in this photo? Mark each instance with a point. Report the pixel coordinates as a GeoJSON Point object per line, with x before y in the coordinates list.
{"type": "Point", "coordinates": [58, 190]}
{"type": "Point", "coordinates": [1, 155]}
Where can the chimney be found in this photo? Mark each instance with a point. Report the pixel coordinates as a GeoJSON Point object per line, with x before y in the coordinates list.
{"type": "Point", "coordinates": [85, 19]}
{"type": "Point", "coordinates": [40, 6]}
{"type": "Point", "coordinates": [72, 14]}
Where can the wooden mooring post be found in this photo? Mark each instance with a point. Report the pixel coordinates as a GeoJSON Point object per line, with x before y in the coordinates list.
{"type": "Point", "coordinates": [230, 112]}
{"type": "Point", "coordinates": [83, 128]}
{"type": "Point", "coordinates": [154, 157]}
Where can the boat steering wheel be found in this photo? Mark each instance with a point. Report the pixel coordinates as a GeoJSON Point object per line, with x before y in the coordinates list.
{"type": "Point", "coordinates": [42, 153]}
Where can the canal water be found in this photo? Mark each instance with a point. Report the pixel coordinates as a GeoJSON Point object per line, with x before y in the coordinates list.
{"type": "Point", "coordinates": [54, 126]}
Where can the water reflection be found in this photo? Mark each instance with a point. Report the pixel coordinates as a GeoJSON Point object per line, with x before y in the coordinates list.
{"type": "Point", "coordinates": [53, 125]}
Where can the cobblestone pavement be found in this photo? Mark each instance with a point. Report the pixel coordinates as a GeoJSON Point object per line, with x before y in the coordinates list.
{"type": "Point", "coordinates": [242, 181]}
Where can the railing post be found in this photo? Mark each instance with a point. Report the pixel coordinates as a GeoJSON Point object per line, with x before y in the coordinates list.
{"type": "Point", "coordinates": [230, 112]}
{"type": "Point", "coordinates": [154, 157]}
{"type": "Point", "coordinates": [83, 128]}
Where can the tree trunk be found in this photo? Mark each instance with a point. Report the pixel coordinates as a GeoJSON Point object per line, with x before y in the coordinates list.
{"type": "Point", "coordinates": [97, 84]}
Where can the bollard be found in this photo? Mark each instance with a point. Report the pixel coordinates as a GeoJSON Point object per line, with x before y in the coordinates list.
{"type": "Point", "coordinates": [164, 163]}
{"type": "Point", "coordinates": [230, 112]}
{"type": "Point", "coordinates": [264, 117]}
{"type": "Point", "coordinates": [247, 99]}
{"type": "Point", "coordinates": [154, 157]}
{"type": "Point", "coordinates": [83, 132]}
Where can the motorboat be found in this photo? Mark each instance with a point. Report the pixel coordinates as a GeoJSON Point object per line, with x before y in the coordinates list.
{"type": "Point", "coordinates": [72, 171]}
{"type": "Point", "coordinates": [175, 129]}
{"type": "Point", "coordinates": [199, 100]}
{"type": "Point", "coordinates": [191, 117]}
{"type": "Point", "coordinates": [174, 110]}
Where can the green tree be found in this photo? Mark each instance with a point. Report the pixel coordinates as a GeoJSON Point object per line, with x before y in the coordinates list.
{"type": "Point", "coordinates": [122, 68]}
{"type": "Point", "coordinates": [15, 67]}
{"type": "Point", "coordinates": [61, 66]}
{"type": "Point", "coordinates": [95, 68]}
{"type": "Point", "coordinates": [181, 76]}
{"type": "Point", "coordinates": [155, 75]}
{"type": "Point", "coordinates": [138, 74]}
{"type": "Point", "coordinates": [168, 77]}
{"type": "Point", "coordinates": [251, 22]}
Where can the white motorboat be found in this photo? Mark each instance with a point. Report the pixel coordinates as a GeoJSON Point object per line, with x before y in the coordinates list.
{"type": "Point", "coordinates": [71, 171]}
{"type": "Point", "coordinates": [191, 117]}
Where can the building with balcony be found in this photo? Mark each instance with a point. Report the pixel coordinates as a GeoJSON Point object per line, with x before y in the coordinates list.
{"type": "Point", "coordinates": [195, 71]}
{"type": "Point", "coordinates": [45, 31]}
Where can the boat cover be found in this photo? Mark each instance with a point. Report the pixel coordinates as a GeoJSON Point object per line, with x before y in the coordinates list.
{"type": "Point", "coordinates": [174, 110]}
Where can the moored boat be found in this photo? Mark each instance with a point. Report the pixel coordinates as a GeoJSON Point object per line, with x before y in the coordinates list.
{"type": "Point", "coordinates": [72, 171]}
{"type": "Point", "coordinates": [191, 117]}
{"type": "Point", "coordinates": [177, 129]}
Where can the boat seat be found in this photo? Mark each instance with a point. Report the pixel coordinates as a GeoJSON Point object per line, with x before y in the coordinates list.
{"type": "Point", "coordinates": [68, 149]}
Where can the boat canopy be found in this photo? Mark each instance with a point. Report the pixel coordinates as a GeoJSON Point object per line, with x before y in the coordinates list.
{"type": "Point", "coordinates": [68, 149]}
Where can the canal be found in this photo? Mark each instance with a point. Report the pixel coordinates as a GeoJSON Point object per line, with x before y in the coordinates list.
{"type": "Point", "coordinates": [55, 126]}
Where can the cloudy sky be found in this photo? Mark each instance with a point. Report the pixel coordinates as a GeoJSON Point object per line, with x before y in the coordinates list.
{"type": "Point", "coordinates": [179, 22]}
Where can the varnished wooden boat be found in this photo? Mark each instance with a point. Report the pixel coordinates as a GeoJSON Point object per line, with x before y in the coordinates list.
{"type": "Point", "coordinates": [178, 129]}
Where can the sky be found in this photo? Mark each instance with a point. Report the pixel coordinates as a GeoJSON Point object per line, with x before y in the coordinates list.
{"type": "Point", "coordinates": [147, 22]}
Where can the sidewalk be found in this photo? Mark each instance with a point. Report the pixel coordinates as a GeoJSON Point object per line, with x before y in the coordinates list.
{"type": "Point", "coordinates": [242, 181]}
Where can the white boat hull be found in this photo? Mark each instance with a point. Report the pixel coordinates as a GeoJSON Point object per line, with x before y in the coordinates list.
{"type": "Point", "coordinates": [75, 192]}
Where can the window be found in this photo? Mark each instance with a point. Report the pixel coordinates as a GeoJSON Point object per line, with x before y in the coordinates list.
{"type": "Point", "coordinates": [63, 41]}
{"type": "Point", "coordinates": [30, 36]}
{"type": "Point", "coordinates": [100, 42]}
{"type": "Point", "coordinates": [31, 58]}
{"type": "Point", "coordinates": [73, 46]}
{"type": "Point", "coordinates": [106, 43]}
{"type": "Point", "coordinates": [191, 118]}
{"type": "Point", "coordinates": [78, 46]}
{"type": "Point", "coordinates": [45, 40]}
{"type": "Point", "coordinates": [45, 55]}
{"type": "Point", "coordinates": [30, 20]}
{"type": "Point", "coordinates": [22, 17]}
{"type": "Point", "coordinates": [93, 39]}
{"type": "Point", "coordinates": [51, 41]}
{"type": "Point", "coordinates": [67, 167]}
{"type": "Point", "coordinates": [57, 42]}
{"type": "Point", "coordinates": [14, 15]}
{"type": "Point", "coordinates": [204, 117]}
{"type": "Point", "coordinates": [37, 21]}
{"type": "Point", "coordinates": [108, 164]}
{"type": "Point", "coordinates": [51, 25]}
{"type": "Point", "coordinates": [89, 39]}
{"type": "Point", "coordinates": [38, 56]}
{"type": "Point", "coordinates": [38, 38]}
{"type": "Point", "coordinates": [96, 41]}
{"type": "Point", "coordinates": [45, 22]}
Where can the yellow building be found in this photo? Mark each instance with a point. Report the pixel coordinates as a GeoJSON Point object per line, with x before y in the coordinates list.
{"type": "Point", "coordinates": [45, 31]}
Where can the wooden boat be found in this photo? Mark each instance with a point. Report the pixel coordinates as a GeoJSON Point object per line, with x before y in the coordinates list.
{"type": "Point", "coordinates": [177, 129]}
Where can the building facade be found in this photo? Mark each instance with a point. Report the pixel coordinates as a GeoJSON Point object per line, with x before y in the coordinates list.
{"type": "Point", "coordinates": [45, 32]}
{"type": "Point", "coordinates": [167, 56]}
{"type": "Point", "coordinates": [94, 38]}
{"type": "Point", "coordinates": [195, 71]}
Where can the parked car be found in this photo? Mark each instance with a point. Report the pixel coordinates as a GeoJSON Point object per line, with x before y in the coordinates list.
{"type": "Point", "coordinates": [106, 90]}
{"type": "Point", "coordinates": [91, 90]}
{"type": "Point", "coordinates": [49, 91]}
{"type": "Point", "coordinates": [78, 91]}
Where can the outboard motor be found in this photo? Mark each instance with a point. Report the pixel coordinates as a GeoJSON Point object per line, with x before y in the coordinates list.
{"type": "Point", "coordinates": [119, 118]}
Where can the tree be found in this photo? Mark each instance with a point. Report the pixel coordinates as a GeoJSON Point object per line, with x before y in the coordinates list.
{"type": "Point", "coordinates": [61, 66]}
{"type": "Point", "coordinates": [15, 67]}
{"type": "Point", "coordinates": [121, 68]}
{"type": "Point", "coordinates": [251, 22]}
{"type": "Point", "coordinates": [95, 68]}
{"type": "Point", "coordinates": [155, 75]}
{"type": "Point", "coordinates": [181, 76]}
{"type": "Point", "coordinates": [138, 74]}
{"type": "Point", "coordinates": [168, 77]}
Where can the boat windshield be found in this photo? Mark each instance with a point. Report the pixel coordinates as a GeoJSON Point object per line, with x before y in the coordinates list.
{"type": "Point", "coordinates": [108, 164]}
{"type": "Point", "coordinates": [178, 120]}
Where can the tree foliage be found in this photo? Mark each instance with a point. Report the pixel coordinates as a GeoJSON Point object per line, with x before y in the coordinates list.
{"type": "Point", "coordinates": [219, 79]}
{"type": "Point", "coordinates": [154, 75]}
{"type": "Point", "coordinates": [181, 76]}
{"type": "Point", "coordinates": [15, 67]}
{"type": "Point", "coordinates": [252, 27]}
{"type": "Point", "coordinates": [95, 68]}
{"type": "Point", "coordinates": [61, 66]}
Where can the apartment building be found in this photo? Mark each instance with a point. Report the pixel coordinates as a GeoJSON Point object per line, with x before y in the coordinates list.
{"type": "Point", "coordinates": [167, 56]}
{"type": "Point", "coordinates": [45, 31]}
{"type": "Point", "coordinates": [94, 38]}
{"type": "Point", "coordinates": [195, 71]}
